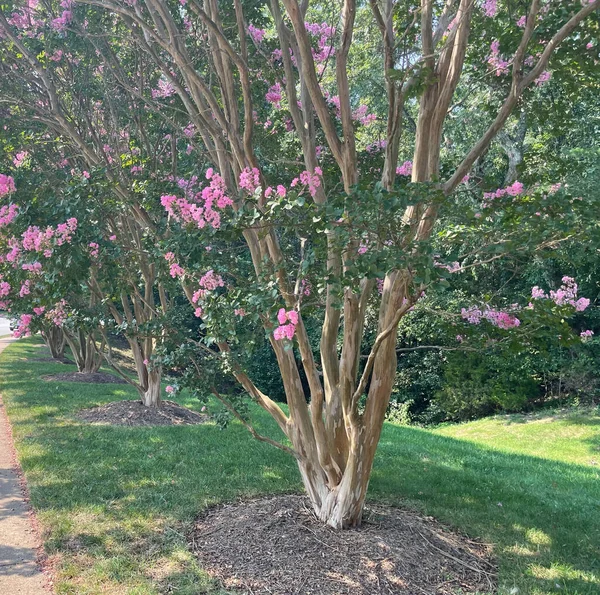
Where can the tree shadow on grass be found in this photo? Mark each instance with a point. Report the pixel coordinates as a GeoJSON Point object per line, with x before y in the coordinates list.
{"type": "Point", "coordinates": [543, 515]}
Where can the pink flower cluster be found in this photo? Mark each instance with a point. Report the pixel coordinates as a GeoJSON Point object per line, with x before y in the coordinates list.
{"type": "Point", "coordinates": [20, 158]}
{"type": "Point", "coordinates": [175, 270]}
{"type": "Point", "coordinates": [586, 334]}
{"type": "Point", "coordinates": [496, 61]}
{"type": "Point", "coordinates": [181, 209]}
{"type": "Point", "coordinates": [164, 89]}
{"type": "Point", "coordinates": [512, 190]}
{"type": "Point", "coordinates": [25, 289]}
{"type": "Point", "coordinates": [326, 50]}
{"type": "Point", "coordinates": [502, 320]}
{"type": "Point", "coordinates": [490, 7]}
{"type": "Point", "coordinates": [287, 324]}
{"type": "Point", "coordinates": [566, 294]}
{"type": "Point", "coordinates": [34, 267]}
{"type": "Point", "coordinates": [7, 185]}
{"type": "Point", "coordinates": [543, 78]}
{"type": "Point", "coordinates": [280, 191]}
{"type": "Point", "coordinates": [405, 169]}
{"type": "Point", "coordinates": [8, 214]}
{"type": "Point", "coordinates": [360, 114]}
{"type": "Point", "coordinates": [36, 240]}
{"type": "Point", "coordinates": [58, 314]}
{"type": "Point", "coordinates": [4, 288]}
{"type": "Point", "coordinates": [211, 281]}
{"type": "Point", "coordinates": [94, 249]}
{"type": "Point", "coordinates": [312, 181]}
{"type": "Point", "coordinates": [274, 96]}
{"type": "Point", "coordinates": [22, 329]}
{"type": "Point", "coordinates": [60, 23]}
{"type": "Point", "coordinates": [255, 33]}
{"type": "Point", "coordinates": [250, 179]}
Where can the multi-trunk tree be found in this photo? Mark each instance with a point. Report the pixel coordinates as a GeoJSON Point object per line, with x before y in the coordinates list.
{"type": "Point", "coordinates": [297, 201]}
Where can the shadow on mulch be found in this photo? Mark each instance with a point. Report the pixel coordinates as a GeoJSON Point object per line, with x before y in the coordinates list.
{"type": "Point", "coordinates": [135, 413]}
{"type": "Point", "coordinates": [93, 378]}
{"type": "Point", "coordinates": [275, 545]}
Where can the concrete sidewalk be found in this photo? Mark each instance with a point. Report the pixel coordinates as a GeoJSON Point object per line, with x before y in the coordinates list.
{"type": "Point", "coordinates": [19, 572]}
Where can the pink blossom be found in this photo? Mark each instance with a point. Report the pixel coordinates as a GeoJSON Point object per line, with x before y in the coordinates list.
{"type": "Point", "coordinates": [522, 21]}
{"type": "Point", "coordinates": [25, 289]}
{"type": "Point", "coordinates": [20, 158]}
{"type": "Point", "coordinates": [255, 33]}
{"type": "Point", "coordinates": [86, 174]}
{"type": "Point", "coordinates": [538, 293]}
{"type": "Point", "coordinates": [281, 191]}
{"type": "Point", "coordinates": [170, 389]}
{"type": "Point", "coordinates": [164, 89]}
{"type": "Point", "coordinates": [198, 312]}
{"type": "Point", "coordinates": [543, 78]}
{"type": "Point", "coordinates": [405, 169]}
{"type": "Point", "coordinates": [490, 7]}
{"type": "Point", "coordinates": [284, 332]}
{"type": "Point", "coordinates": [8, 214]}
{"type": "Point", "coordinates": [211, 281]}
{"type": "Point", "coordinates": [250, 179]}
{"type": "Point", "coordinates": [274, 96]}
{"type": "Point", "coordinates": [586, 334]}
{"type": "Point", "coordinates": [282, 316]}
{"type": "Point", "coordinates": [7, 185]}
{"type": "Point", "coordinates": [176, 270]}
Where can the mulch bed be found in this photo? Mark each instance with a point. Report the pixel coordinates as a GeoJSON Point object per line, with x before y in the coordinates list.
{"type": "Point", "coordinates": [276, 546]}
{"type": "Point", "coordinates": [135, 413]}
{"type": "Point", "coordinates": [93, 378]}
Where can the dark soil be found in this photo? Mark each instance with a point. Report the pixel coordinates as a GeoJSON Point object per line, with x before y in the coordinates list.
{"type": "Point", "coordinates": [276, 546]}
{"type": "Point", "coordinates": [134, 413]}
{"type": "Point", "coordinates": [93, 378]}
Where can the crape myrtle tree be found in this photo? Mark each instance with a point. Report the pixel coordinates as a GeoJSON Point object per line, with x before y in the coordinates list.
{"type": "Point", "coordinates": [365, 225]}
{"type": "Point", "coordinates": [48, 258]}
{"type": "Point", "coordinates": [270, 237]}
{"type": "Point", "coordinates": [109, 134]}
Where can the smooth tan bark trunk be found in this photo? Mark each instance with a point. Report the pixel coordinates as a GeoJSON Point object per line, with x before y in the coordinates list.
{"type": "Point", "coordinates": [85, 354]}
{"type": "Point", "coordinates": [55, 340]}
{"type": "Point", "coordinates": [151, 395]}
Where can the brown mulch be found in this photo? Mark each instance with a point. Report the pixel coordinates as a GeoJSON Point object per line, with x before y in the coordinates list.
{"type": "Point", "coordinates": [135, 413]}
{"type": "Point", "coordinates": [276, 546]}
{"type": "Point", "coordinates": [93, 378]}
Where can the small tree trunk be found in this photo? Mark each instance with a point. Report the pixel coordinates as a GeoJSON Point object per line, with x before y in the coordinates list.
{"type": "Point", "coordinates": [151, 395]}
{"type": "Point", "coordinates": [55, 340]}
{"type": "Point", "coordinates": [85, 354]}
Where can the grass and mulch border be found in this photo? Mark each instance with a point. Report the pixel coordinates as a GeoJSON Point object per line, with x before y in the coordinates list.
{"type": "Point", "coordinates": [117, 504]}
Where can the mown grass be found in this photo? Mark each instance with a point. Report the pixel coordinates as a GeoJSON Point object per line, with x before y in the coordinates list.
{"type": "Point", "coordinates": [115, 503]}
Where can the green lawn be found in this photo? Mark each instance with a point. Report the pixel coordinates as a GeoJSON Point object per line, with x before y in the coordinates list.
{"type": "Point", "coordinates": [115, 503]}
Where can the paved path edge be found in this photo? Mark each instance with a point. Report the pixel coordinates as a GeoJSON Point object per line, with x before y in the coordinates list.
{"type": "Point", "coordinates": [41, 559]}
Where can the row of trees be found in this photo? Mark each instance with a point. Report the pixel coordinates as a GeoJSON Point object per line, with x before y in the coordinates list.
{"type": "Point", "coordinates": [198, 175]}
